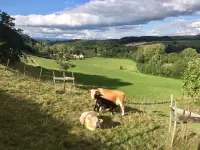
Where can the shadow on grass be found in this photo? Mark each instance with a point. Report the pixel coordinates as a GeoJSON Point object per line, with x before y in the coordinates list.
{"type": "Point", "coordinates": [138, 134]}
{"type": "Point", "coordinates": [160, 113]}
{"type": "Point", "coordinates": [24, 125]}
{"type": "Point", "coordinates": [129, 109]}
{"type": "Point", "coordinates": [87, 81]}
{"type": "Point", "coordinates": [108, 122]}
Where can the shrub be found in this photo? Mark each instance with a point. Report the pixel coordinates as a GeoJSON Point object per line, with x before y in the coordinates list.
{"type": "Point", "coordinates": [191, 79]}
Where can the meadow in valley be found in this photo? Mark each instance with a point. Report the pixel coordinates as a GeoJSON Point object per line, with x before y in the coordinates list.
{"type": "Point", "coordinates": [42, 119]}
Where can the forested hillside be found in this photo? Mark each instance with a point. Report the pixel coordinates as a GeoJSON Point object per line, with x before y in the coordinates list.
{"type": "Point", "coordinates": [153, 59]}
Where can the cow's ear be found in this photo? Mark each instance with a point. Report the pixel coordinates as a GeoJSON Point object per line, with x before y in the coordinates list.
{"type": "Point", "coordinates": [97, 93]}
{"type": "Point", "coordinates": [100, 120]}
{"type": "Point", "coordinates": [89, 91]}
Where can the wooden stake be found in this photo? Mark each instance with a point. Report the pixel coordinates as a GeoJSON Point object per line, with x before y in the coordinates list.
{"type": "Point", "coordinates": [40, 72]}
{"type": "Point", "coordinates": [64, 81]}
{"type": "Point", "coordinates": [24, 69]}
{"type": "Point", "coordinates": [74, 79]}
{"type": "Point", "coordinates": [53, 77]}
{"type": "Point", "coordinates": [175, 122]}
{"type": "Point", "coordinates": [170, 121]}
{"type": "Point", "coordinates": [8, 63]}
{"type": "Point", "coordinates": [54, 81]}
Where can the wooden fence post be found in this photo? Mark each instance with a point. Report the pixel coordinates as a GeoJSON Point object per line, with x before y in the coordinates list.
{"type": "Point", "coordinates": [40, 77]}
{"type": "Point", "coordinates": [24, 69]}
{"type": "Point", "coordinates": [8, 63]}
{"type": "Point", "coordinates": [54, 81]}
{"type": "Point", "coordinates": [73, 79]}
{"type": "Point", "coordinates": [53, 78]}
{"type": "Point", "coordinates": [170, 120]}
{"type": "Point", "coordinates": [7, 66]}
{"type": "Point", "coordinates": [40, 72]}
{"type": "Point", "coordinates": [64, 81]}
{"type": "Point", "coordinates": [175, 122]}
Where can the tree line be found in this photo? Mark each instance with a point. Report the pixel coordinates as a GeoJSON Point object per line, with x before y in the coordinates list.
{"type": "Point", "coordinates": [11, 41]}
{"type": "Point", "coordinates": [89, 48]}
{"type": "Point", "coordinates": [153, 59]}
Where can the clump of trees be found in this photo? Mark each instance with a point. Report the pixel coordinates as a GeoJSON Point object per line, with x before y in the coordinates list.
{"type": "Point", "coordinates": [89, 48]}
{"type": "Point", "coordinates": [62, 57]}
{"type": "Point", "coordinates": [153, 59]}
{"type": "Point", "coordinates": [191, 80]}
{"type": "Point", "coordinates": [11, 41]}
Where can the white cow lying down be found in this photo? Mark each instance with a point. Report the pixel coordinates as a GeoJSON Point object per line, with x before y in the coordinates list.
{"type": "Point", "coordinates": [90, 120]}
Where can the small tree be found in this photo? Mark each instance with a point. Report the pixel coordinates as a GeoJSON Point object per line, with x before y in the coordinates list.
{"type": "Point", "coordinates": [11, 39]}
{"type": "Point", "coordinates": [62, 57]}
{"type": "Point", "coordinates": [189, 52]}
{"type": "Point", "coordinates": [191, 80]}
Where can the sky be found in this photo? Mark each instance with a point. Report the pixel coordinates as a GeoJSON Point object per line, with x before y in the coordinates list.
{"type": "Point", "coordinates": [104, 19]}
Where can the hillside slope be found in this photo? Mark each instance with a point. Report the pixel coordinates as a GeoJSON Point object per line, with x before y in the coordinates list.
{"type": "Point", "coordinates": [33, 117]}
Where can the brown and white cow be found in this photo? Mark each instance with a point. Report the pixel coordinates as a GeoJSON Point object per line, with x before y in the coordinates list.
{"type": "Point", "coordinates": [90, 120]}
{"type": "Point", "coordinates": [115, 96]}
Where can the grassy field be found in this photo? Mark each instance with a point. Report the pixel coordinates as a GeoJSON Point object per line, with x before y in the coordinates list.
{"type": "Point", "coordinates": [33, 116]}
{"type": "Point", "coordinates": [105, 72]}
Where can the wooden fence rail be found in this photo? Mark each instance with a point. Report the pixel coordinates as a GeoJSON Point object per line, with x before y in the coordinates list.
{"type": "Point", "coordinates": [177, 114]}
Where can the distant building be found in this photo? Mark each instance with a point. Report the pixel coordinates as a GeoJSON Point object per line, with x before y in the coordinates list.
{"type": "Point", "coordinates": [81, 56]}
{"type": "Point", "coordinates": [76, 56]}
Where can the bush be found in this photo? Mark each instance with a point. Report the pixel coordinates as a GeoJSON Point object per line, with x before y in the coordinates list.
{"type": "Point", "coordinates": [67, 65]}
{"type": "Point", "coordinates": [191, 79]}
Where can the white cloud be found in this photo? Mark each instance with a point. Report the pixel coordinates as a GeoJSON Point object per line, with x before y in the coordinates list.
{"type": "Point", "coordinates": [186, 32]}
{"type": "Point", "coordinates": [112, 15]}
{"type": "Point", "coordinates": [112, 12]}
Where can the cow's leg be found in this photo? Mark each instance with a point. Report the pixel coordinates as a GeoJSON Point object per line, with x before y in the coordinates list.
{"type": "Point", "coordinates": [95, 106]}
{"type": "Point", "coordinates": [112, 111]}
{"type": "Point", "coordinates": [113, 107]}
{"type": "Point", "coordinates": [122, 108]}
{"type": "Point", "coordinates": [118, 102]}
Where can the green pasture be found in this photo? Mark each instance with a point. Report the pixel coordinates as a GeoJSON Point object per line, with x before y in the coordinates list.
{"type": "Point", "coordinates": [33, 116]}
{"type": "Point", "coordinates": [106, 73]}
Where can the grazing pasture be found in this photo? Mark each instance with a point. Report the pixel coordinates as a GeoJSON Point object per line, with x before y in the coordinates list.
{"type": "Point", "coordinates": [33, 116]}
{"type": "Point", "coordinates": [105, 72]}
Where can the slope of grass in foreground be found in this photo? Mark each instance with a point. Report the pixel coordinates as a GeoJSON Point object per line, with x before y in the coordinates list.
{"type": "Point", "coordinates": [105, 72]}
{"type": "Point", "coordinates": [39, 119]}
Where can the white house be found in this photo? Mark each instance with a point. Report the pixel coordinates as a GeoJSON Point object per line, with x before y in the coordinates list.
{"type": "Point", "coordinates": [81, 56]}
{"type": "Point", "coordinates": [78, 56]}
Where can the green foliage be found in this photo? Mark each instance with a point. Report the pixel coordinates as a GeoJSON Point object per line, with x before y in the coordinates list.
{"type": "Point", "coordinates": [191, 79]}
{"type": "Point", "coordinates": [91, 48]}
{"type": "Point", "coordinates": [189, 52]}
{"type": "Point", "coordinates": [6, 20]}
{"type": "Point", "coordinates": [11, 40]}
{"type": "Point", "coordinates": [152, 59]}
{"type": "Point", "coordinates": [62, 56]}
{"type": "Point", "coordinates": [145, 53]}
{"type": "Point", "coordinates": [67, 65]}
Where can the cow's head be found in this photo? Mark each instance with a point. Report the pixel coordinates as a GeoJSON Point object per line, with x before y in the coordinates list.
{"type": "Point", "coordinates": [94, 93]}
{"type": "Point", "coordinates": [100, 121]}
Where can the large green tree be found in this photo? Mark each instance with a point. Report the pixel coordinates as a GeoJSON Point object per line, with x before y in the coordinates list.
{"type": "Point", "coordinates": [191, 79]}
{"type": "Point", "coordinates": [10, 39]}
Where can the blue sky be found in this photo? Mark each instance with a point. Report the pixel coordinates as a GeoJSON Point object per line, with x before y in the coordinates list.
{"type": "Point", "coordinates": [102, 19]}
{"type": "Point", "coordinates": [43, 7]}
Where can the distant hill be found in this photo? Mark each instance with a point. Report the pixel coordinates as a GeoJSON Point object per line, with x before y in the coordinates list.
{"type": "Point", "coordinates": [131, 39]}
